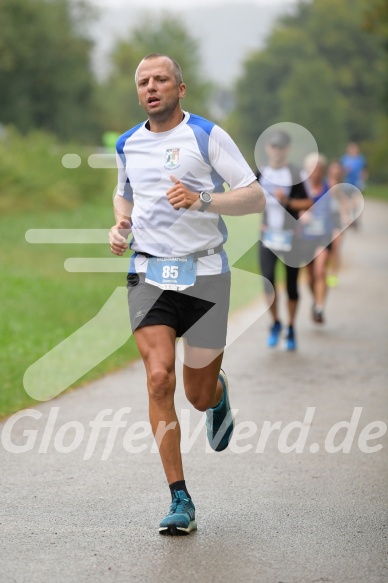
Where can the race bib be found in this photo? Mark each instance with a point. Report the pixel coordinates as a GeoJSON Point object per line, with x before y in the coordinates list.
{"type": "Point", "coordinates": [278, 239]}
{"type": "Point", "coordinates": [172, 273]}
{"type": "Point", "coordinates": [315, 227]}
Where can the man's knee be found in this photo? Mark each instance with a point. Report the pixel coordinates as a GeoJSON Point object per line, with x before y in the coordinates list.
{"type": "Point", "coordinates": [293, 295]}
{"type": "Point", "coordinates": [200, 401]}
{"type": "Point", "coordinates": [161, 384]}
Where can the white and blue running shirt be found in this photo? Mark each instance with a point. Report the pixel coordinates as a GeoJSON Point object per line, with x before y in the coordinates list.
{"type": "Point", "coordinates": [202, 156]}
{"type": "Point", "coordinates": [270, 180]}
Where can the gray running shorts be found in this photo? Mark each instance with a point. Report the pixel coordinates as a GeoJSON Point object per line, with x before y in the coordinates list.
{"type": "Point", "coordinates": [199, 313]}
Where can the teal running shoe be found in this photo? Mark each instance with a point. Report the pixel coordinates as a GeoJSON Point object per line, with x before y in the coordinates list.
{"type": "Point", "coordinates": [290, 340]}
{"type": "Point", "coordinates": [219, 420]}
{"type": "Point", "coordinates": [274, 334]}
{"type": "Point", "coordinates": [181, 518]}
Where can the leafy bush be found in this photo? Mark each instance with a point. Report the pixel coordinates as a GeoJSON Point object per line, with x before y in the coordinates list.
{"type": "Point", "coordinates": [376, 152]}
{"type": "Point", "coordinates": [32, 176]}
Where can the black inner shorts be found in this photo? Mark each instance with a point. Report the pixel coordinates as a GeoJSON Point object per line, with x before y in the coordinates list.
{"type": "Point", "coordinates": [198, 313]}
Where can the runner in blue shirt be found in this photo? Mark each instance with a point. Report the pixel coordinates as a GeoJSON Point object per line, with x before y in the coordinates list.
{"type": "Point", "coordinates": [355, 176]}
{"type": "Point", "coordinates": [354, 165]}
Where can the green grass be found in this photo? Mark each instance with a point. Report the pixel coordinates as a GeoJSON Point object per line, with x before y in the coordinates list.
{"type": "Point", "coordinates": [43, 304]}
{"type": "Point", "coordinates": [377, 191]}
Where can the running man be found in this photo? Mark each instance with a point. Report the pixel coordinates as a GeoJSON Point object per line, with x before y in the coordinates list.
{"type": "Point", "coordinates": [340, 218]}
{"type": "Point", "coordinates": [317, 232]}
{"type": "Point", "coordinates": [286, 197]}
{"type": "Point", "coordinates": [355, 169]}
{"type": "Point", "coordinates": [171, 171]}
{"type": "Point", "coordinates": [354, 165]}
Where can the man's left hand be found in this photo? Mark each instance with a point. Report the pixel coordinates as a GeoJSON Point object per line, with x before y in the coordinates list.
{"type": "Point", "coordinates": [179, 196]}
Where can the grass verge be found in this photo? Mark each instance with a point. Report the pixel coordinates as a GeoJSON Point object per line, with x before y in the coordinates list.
{"type": "Point", "coordinates": [43, 304]}
{"type": "Point", "coordinates": [377, 191]}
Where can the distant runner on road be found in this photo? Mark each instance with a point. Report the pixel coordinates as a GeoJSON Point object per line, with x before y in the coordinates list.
{"type": "Point", "coordinates": [340, 213]}
{"type": "Point", "coordinates": [317, 232]}
{"type": "Point", "coordinates": [286, 197]}
{"type": "Point", "coordinates": [355, 169]}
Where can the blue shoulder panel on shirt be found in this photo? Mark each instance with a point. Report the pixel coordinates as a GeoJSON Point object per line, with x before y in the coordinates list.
{"type": "Point", "coordinates": [205, 124]}
{"type": "Point", "coordinates": [122, 139]}
{"type": "Point", "coordinates": [201, 128]}
{"type": "Point", "coordinates": [128, 193]}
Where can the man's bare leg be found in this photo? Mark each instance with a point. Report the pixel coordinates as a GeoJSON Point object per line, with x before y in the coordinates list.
{"type": "Point", "coordinates": [200, 376]}
{"type": "Point", "coordinates": [157, 348]}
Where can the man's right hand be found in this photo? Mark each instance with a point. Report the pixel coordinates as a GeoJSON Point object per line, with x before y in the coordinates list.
{"type": "Point", "coordinates": [118, 237]}
{"type": "Point", "coordinates": [281, 196]}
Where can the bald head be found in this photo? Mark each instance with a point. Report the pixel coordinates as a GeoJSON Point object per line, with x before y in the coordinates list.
{"type": "Point", "coordinates": [174, 66]}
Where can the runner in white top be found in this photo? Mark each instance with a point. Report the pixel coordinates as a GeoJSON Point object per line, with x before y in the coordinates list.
{"type": "Point", "coordinates": [199, 154]}
{"type": "Point", "coordinates": [170, 194]}
{"type": "Point", "coordinates": [286, 197]}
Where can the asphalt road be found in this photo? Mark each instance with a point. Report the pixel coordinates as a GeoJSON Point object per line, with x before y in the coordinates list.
{"type": "Point", "coordinates": [265, 514]}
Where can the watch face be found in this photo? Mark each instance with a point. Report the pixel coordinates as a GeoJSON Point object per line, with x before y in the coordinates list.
{"type": "Point", "coordinates": [206, 197]}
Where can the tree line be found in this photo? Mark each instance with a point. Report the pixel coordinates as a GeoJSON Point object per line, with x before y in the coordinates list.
{"type": "Point", "coordinates": [46, 75]}
{"type": "Point", "coordinates": [324, 67]}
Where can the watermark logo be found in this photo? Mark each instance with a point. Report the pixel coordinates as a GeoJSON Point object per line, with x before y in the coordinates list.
{"type": "Point", "coordinates": [27, 431]}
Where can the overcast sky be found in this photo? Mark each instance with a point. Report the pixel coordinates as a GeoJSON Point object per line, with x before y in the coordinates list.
{"type": "Point", "coordinates": [181, 4]}
{"type": "Point", "coordinates": [226, 30]}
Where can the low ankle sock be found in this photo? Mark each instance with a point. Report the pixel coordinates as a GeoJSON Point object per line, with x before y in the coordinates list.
{"type": "Point", "coordinates": [180, 485]}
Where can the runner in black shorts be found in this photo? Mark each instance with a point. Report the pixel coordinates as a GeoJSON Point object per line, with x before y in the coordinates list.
{"type": "Point", "coordinates": [286, 197]}
{"type": "Point", "coordinates": [183, 311]}
{"type": "Point", "coordinates": [172, 170]}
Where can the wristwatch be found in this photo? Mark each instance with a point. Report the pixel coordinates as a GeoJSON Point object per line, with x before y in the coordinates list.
{"type": "Point", "coordinates": [205, 198]}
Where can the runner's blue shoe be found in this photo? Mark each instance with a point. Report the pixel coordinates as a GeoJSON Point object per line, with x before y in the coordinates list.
{"type": "Point", "coordinates": [290, 340]}
{"type": "Point", "coordinates": [219, 420]}
{"type": "Point", "coordinates": [181, 518]}
{"type": "Point", "coordinates": [274, 333]}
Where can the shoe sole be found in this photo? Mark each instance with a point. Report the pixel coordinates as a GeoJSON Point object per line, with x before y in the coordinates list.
{"type": "Point", "coordinates": [173, 530]}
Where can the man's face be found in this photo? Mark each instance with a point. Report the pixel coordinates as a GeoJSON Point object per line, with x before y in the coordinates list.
{"type": "Point", "coordinates": [353, 149]}
{"type": "Point", "coordinates": [318, 173]}
{"type": "Point", "coordinates": [277, 155]}
{"type": "Point", "coordinates": [157, 89]}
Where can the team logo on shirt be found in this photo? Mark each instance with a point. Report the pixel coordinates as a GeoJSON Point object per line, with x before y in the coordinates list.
{"type": "Point", "coordinates": [172, 158]}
